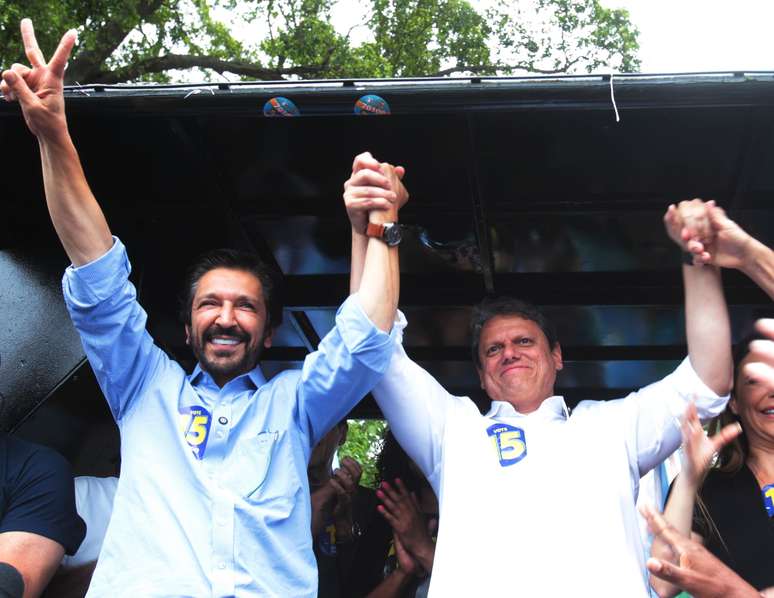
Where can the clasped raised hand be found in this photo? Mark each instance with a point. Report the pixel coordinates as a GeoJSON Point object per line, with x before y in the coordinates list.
{"type": "Point", "coordinates": [375, 191]}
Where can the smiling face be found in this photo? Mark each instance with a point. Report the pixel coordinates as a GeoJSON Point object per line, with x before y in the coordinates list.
{"type": "Point", "coordinates": [753, 402]}
{"type": "Point", "coordinates": [228, 323]}
{"type": "Point", "coordinates": [517, 364]}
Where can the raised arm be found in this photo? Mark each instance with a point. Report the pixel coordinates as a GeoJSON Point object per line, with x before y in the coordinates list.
{"type": "Point", "coordinates": [356, 353]}
{"type": "Point", "coordinates": [76, 216]}
{"type": "Point", "coordinates": [412, 401]}
{"type": "Point", "coordinates": [707, 326]}
{"type": "Point", "coordinates": [705, 376]}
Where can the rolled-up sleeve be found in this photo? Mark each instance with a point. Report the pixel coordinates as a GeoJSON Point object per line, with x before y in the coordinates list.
{"type": "Point", "coordinates": [348, 363]}
{"type": "Point", "coordinates": [659, 407]}
{"type": "Point", "coordinates": [104, 309]}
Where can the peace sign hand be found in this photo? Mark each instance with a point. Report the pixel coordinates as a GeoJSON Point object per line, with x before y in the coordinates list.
{"type": "Point", "coordinates": [39, 89]}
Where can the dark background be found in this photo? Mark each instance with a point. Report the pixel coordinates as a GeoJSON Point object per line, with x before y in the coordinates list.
{"type": "Point", "coordinates": [526, 187]}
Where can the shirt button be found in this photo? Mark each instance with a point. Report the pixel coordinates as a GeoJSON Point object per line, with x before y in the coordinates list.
{"type": "Point", "coordinates": [222, 566]}
{"type": "Point", "coordinates": [219, 434]}
{"type": "Point", "coordinates": [222, 420]}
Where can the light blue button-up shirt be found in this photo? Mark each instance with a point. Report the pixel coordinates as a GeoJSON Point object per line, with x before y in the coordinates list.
{"type": "Point", "coordinates": [213, 498]}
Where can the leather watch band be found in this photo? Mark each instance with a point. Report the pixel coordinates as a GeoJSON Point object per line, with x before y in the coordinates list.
{"type": "Point", "coordinates": [375, 230]}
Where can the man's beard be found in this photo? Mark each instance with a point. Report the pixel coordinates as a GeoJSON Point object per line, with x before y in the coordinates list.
{"type": "Point", "coordinates": [229, 369]}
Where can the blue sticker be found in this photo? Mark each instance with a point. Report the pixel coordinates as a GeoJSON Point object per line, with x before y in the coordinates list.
{"type": "Point", "coordinates": [509, 443]}
{"type": "Point", "coordinates": [195, 424]}
{"type": "Point", "coordinates": [768, 499]}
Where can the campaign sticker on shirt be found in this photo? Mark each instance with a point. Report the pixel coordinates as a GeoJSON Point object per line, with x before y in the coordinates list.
{"type": "Point", "coordinates": [326, 539]}
{"type": "Point", "coordinates": [768, 499]}
{"type": "Point", "coordinates": [195, 423]}
{"type": "Point", "coordinates": [509, 442]}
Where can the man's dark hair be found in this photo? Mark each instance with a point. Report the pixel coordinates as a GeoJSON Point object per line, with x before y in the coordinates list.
{"type": "Point", "coordinates": [491, 307]}
{"type": "Point", "coordinates": [270, 279]}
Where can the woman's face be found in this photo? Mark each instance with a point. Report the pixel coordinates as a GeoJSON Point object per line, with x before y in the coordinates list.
{"type": "Point", "coordinates": [753, 402]}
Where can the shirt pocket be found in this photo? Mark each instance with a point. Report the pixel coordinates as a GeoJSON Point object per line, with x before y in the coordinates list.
{"type": "Point", "coordinates": [253, 460]}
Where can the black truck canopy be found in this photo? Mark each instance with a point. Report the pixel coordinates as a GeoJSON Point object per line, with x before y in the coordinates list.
{"type": "Point", "coordinates": [529, 187]}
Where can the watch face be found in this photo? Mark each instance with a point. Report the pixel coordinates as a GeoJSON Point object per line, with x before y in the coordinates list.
{"type": "Point", "coordinates": [392, 235]}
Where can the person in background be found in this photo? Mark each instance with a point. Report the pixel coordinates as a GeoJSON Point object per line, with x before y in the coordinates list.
{"type": "Point", "coordinates": [39, 523]}
{"type": "Point", "coordinates": [340, 510]}
{"type": "Point", "coordinates": [94, 502]}
{"type": "Point", "coordinates": [728, 506]}
{"type": "Point", "coordinates": [693, 568]}
{"type": "Point", "coordinates": [396, 552]}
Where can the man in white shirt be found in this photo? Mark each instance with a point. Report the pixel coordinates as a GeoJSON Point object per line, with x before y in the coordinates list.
{"type": "Point", "coordinates": [535, 501]}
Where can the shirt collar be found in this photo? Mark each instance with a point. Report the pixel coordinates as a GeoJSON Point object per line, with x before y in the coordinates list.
{"type": "Point", "coordinates": [551, 408]}
{"type": "Point", "coordinates": [254, 377]}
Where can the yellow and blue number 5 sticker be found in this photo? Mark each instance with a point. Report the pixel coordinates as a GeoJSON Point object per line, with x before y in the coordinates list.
{"type": "Point", "coordinates": [768, 499]}
{"type": "Point", "coordinates": [195, 424]}
{"type": "Point", "coordinates": [509, 442]}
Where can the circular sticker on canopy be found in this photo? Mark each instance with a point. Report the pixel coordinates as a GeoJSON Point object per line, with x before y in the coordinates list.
{"type": "Point", "coordinates": [280, 106]}
{"type": "Point", "coordinates": [372, 105]}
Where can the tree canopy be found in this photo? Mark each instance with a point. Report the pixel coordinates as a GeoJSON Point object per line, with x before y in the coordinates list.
{"type": "Point", "coordinates": [163, 40]}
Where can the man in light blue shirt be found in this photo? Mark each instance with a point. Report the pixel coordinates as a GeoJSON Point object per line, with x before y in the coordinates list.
{"type": "Point", "coordinates": [213, 498]}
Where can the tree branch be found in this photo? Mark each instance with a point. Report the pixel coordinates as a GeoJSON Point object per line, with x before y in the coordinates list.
{"type": "Point", "coordinates": [495, 68]}
{"type": "Point", "coordinates": [87, 64]}
{"type": "Point", "coordinates": [184, 61]}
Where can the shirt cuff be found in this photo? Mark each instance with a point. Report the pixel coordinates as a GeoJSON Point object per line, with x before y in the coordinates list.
{"type": "Point", "coordinates": [94, 282]}
{"type": "Point", "coordinates": [690, 385]}
{"type": "Point", "coordinates": [362, 338]}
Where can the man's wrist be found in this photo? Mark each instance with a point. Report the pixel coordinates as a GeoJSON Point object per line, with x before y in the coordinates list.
{"type": "Point", "coordinates": [55, 137]}
{"type": "Point", "coordinates": [382, 216]}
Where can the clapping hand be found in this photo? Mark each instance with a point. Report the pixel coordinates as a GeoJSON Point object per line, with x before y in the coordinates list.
{"type": "Point", "coordinates": [401, 510]}
{"type": "Point", "coordinates": [345, 482]}
{"type": "Point", "coordinates": [696, 570]}
{"type": "Point", "coordinates": [699, 449]}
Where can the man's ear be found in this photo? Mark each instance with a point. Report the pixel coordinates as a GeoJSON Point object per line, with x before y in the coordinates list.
{"type": "Point", "coordinates": [267, 339]}
{"type": "Point", "coordinates": [480, 373]}
{"type": "Point", "coordinates": [556, 354]}
{"type": "Point", "coordinates": [187, 335]}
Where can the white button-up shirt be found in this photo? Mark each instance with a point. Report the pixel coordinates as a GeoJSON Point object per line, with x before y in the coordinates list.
{"type": "Point", "coordinates": [540, 504]}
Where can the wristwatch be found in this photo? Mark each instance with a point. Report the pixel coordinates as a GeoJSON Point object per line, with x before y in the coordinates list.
{"type": "Point", "coordinates": [389, 232]}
